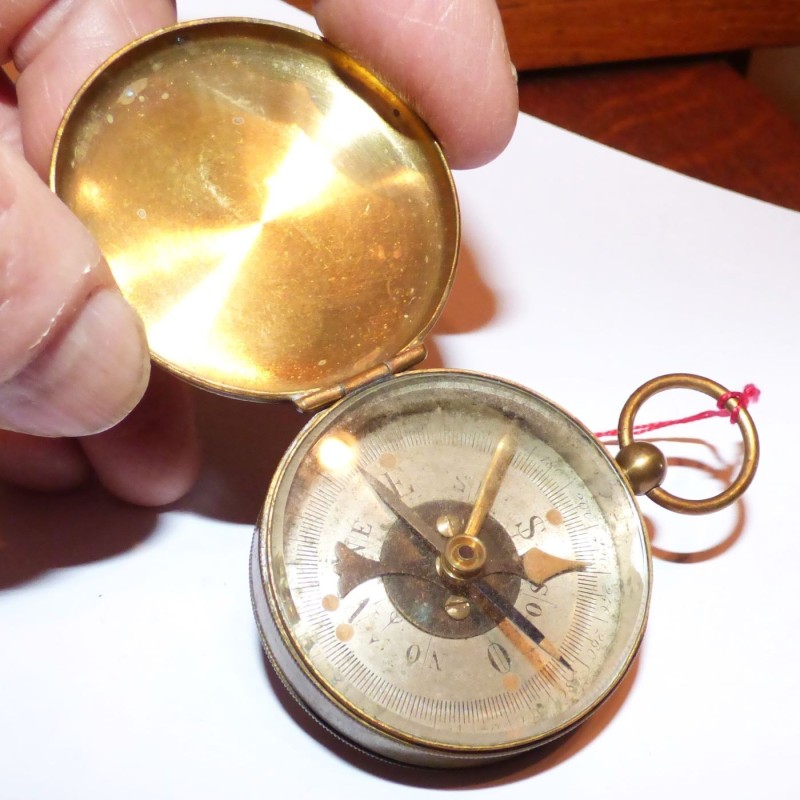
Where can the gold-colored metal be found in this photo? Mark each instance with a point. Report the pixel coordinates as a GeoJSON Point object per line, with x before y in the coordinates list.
{"type": "Point", "coordinates": [457, 607]}
{"type": "Point", "coordinates": [447, 525]}
{"type": "Point", "coordinates": [503, 454]}
{"type": "Point", "coordinates": [288, 228]}
{"type": "Point", "coordinates": [643, 464]}
{"type": "Point", "coordinates": [745, 423]}
{"type": "Point", "coordinates": [356, 583]}
{"type": "Point", "coordinates": [540, 566]}
{"type": "Point", "coordinates": [313, 401]}
{"type": "Point", "coordinates": [463, 556]}
{"type": "Point", "coordinates": [280, 219]}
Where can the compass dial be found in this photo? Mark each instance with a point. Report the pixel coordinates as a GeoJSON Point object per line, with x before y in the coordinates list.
{"type": "Point", "coordinates": [449, 568]}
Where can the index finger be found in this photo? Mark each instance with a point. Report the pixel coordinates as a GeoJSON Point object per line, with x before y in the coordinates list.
{"type": "Point", "coordinates": [448, 57]}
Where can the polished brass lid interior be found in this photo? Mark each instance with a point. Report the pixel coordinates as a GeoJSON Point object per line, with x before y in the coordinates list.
{"type": "Point", "coordinates": [280, 219]}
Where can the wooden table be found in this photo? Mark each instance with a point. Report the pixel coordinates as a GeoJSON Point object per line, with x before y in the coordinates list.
{"type": "Point", "coordinates": [697, 116]}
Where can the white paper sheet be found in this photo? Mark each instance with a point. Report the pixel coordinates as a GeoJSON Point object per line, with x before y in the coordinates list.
{"type": "Point", "coordinates": [130, 665]}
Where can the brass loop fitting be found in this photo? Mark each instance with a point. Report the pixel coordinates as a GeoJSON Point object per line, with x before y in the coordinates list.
{"type": "Point", "coordinates": [743, 419]}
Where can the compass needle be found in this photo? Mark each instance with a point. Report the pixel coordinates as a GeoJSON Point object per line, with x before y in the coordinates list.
{"type": "Point", "coordinates": [487, 494]}
{"type": "Point", "coordinates": [457, 622]}
{"type": "Point", "coordinates": [393, 500]}
{"type": "Point", "coordinates": [354, 569]}
{"type": "Point", "coordinates": [506, 612]}
{"type": "Point", "coordinates": [540, 567]}
{"type": "Point", "coordinates": [522, 644]}
{"type": "Point", "coordinates": [288, 229]}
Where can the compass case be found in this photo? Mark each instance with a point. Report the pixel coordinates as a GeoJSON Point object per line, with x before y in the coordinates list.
{"type": "Point", "coordinates": [361, 621]}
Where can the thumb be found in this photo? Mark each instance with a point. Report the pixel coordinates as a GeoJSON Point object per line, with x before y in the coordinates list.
{"type": "Point", "coordinates": [73, 355]}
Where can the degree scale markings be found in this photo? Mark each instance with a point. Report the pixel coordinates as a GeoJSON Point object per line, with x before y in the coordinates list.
{"type": "Point", "coordinates": [418, 706]}
{"type": "Point", "coordinates": [354, 670]}
{"type": "Point", "coordinates": [520, 621]}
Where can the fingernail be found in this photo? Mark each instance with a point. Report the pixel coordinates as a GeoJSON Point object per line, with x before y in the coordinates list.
{"type": "Point", "coordinates": [87, 379]}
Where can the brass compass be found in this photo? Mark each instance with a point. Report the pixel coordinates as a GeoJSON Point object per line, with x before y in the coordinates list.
{"type": "Point", "coordinates": [448, 568]}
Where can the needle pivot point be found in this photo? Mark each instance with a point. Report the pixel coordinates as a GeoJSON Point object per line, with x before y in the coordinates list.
{"type": "Point", "coordinates": [463, 556]}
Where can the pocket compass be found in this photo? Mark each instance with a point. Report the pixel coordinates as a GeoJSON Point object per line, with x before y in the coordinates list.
{"type": "Point", "coordinates": [448, 568]}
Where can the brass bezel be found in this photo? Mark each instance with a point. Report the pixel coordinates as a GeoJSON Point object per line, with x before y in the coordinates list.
{"type": "Point", "coordinates": [418, 750]}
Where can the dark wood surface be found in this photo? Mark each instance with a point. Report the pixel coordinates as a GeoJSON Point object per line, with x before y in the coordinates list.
{"type": "Point", "coordinates": [547, 33]}
{"type": "Point", "coordinates": [554, 33]}
{"type": "Point", "coordinates": [701, 118]}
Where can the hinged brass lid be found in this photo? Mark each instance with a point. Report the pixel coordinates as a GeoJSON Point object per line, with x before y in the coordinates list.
{"type": "Point", "coordinates": [281, 220]}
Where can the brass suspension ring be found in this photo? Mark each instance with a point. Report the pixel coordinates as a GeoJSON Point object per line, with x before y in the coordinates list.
{"type": "Point", "coordinates": [743, 419]}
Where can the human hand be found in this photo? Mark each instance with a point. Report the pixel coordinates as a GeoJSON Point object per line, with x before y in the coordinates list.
{"type": "Point", "coordinates": [76, 393]}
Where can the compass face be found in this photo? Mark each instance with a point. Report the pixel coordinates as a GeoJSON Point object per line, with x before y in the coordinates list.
{"type": "Point", "coordinates": [450, 567]}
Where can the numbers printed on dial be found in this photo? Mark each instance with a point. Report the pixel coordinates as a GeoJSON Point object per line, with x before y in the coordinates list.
{"type": "Point", "coordinates": [440, 634]}
{"type": "Point", "coordinates": [499, 657]}
{"type": "Point", "coordinates": [430, 658]}
{"type": "Point", "coordinates": [526, 667]}
{"type": "Point", "coordinates": [379, 639]}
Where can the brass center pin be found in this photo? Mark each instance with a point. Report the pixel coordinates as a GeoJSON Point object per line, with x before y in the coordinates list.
{"type": "Point", "coordinates": [463, 556]}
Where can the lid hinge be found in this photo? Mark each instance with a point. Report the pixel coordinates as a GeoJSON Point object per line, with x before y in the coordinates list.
{"type": "Point", "coordinates": [324, 397]}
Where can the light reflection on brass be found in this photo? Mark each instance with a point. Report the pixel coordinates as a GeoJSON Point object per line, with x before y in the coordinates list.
{"type": "Point", "coordinates": [463, 556]}
{"type": "Point", "coordinates": [684, 380]}
{"type": "Point", "coordinates": [501, 460]}
{"type": "Point", "coordinates": [447, 526]}
{"type": "Point", "coordinates": [457, 607]}
{"type": "Point", "coordinates": [337, 453]}
{"type": "Point", "coordinates": [280, 220]}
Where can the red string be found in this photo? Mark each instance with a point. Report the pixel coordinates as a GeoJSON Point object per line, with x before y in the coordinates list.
{"type": "Point", "coordinates": [749, 394]}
